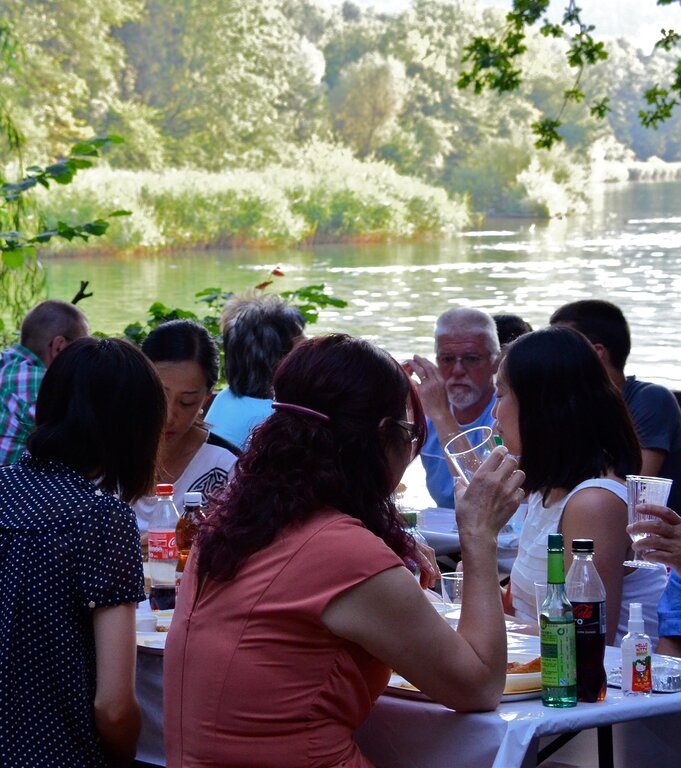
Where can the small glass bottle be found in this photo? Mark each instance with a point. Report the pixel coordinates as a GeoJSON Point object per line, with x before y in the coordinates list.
{"type": "Point", "coordinates": [637, 679]}
{"type": "Point", "coordinates": [586, 593]}
{"type": "Point", "coordinates": [192, 515]}
{"type": "Point", "coordinates": [557, 631]}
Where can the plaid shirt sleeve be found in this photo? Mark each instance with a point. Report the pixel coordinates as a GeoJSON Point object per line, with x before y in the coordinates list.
{"type": "Point", "coordinates": [20, 378]}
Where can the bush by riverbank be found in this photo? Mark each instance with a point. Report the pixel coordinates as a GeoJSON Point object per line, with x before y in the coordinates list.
{"type": "Point", "coordinates": [323, 195]}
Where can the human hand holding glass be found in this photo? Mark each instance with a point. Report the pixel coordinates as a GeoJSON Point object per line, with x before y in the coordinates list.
{"type": "Point", "coordinates": [644, 490]}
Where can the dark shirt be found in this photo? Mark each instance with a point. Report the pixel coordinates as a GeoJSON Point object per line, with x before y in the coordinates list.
{"type": "Point", "coordinates": [65, 548]}
{"type": "Point", "coordinates": [657, 419]}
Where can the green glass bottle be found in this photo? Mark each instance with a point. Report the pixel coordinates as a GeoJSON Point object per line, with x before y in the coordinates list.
{"type": "Point", "coordinates": [557, 630]}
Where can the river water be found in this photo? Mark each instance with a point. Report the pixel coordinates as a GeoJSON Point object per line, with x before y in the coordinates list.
{"type": "Point", "coordinates": [626, 250]}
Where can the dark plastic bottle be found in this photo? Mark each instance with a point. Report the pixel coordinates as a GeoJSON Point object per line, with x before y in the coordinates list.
{"type": "Point", "coordinates": [586, 592]}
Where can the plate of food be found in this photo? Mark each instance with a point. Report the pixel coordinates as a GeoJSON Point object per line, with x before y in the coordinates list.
{"type": "Point", "coordinates": [523, 678]}
{"type": "Point", "coordinates": [523, 681]}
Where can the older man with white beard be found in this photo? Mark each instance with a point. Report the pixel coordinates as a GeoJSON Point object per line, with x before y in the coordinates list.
{"type": "Point", "coordinates": [458, 393]}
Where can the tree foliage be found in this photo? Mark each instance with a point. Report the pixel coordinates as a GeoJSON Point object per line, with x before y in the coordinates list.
{"type": "Point", "coordinates": [494, 62]}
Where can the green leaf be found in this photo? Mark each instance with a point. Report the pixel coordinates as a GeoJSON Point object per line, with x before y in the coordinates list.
{"type": "Point", "coordinates": [120, 212]}
{"type": "Point", "coordinates": [96, 228]}
{"type": "Point", "coordinates": [84, 148]}
{"type": "Point", "coordinates": [14, 258]}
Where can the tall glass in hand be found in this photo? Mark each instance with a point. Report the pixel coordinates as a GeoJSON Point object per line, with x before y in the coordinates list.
{"type": "Point", "coordinates": [644, 490]}
{"type": "Point", "coordinates": [469, 449]}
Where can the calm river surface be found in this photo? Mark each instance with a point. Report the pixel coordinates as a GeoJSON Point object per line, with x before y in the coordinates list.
{"type": "Point", "coordinates": [627, 250]}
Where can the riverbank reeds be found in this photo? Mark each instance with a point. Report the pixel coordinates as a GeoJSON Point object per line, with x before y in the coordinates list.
{"type": "Point", "coordinates": [323, 195]}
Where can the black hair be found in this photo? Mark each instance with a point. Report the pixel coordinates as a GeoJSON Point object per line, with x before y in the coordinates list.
{"type": "Point", "coordinates": [602, 323]}
{"type": "Point", "coordinates": [177, 341]}
{"type": "Point", "coordinates": [510, 327]}
{"type": "Point", "coordinates": [100, 411]}
{"type": "Point", "coordinates": [573, 422]}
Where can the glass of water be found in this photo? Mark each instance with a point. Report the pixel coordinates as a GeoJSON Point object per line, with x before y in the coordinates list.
{"type": "Point", "coordinates": [644, 490]}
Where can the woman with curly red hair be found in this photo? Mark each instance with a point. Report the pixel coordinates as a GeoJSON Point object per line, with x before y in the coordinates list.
{"type": "Point", "coordinates": [297, 603]}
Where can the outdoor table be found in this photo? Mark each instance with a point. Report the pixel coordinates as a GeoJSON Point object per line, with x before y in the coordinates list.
{"type": "Point", "coordinates": [437, 526]}
{"type": "Point", "coordinates": [405, 733]}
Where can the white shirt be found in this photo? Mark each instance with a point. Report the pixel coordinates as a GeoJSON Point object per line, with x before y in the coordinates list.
{"type": "Point", "coordinates": [643, 585]}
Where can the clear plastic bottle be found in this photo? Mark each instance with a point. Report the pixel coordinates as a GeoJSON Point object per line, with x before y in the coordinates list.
{"type": "Point", "coordinates": [192, 515]}
{"type": "Point", "coordinates": [557, 632]}
{"type": "Point", "coordinates": [163, 549]}
{"type": "Point", "coordinates": [586, 592]}
{"type": "Point", "coordinates": [637, 679]}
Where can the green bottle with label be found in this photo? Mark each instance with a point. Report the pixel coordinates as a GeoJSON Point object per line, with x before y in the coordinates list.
{"type": "Point", "coordinates": [557, 632]}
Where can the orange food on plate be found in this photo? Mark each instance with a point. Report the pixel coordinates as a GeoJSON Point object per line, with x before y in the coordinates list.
{"type": "Point", "coordinates": [516, 668]}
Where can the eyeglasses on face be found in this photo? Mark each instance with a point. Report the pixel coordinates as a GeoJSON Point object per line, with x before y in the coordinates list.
{"type": "Point", "coordinates": [410, 428]}
{"type": "Point", "coordinates": [469, 362]}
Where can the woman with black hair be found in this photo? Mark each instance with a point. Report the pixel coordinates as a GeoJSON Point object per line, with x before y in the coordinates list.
{"type": "Point", "coordinates": [559, 412]}
{"type": "Point", "coordinates": [70, 560]}
{"type": "Point", "coordinates": [297, 603]}
{"type": "Point", "coordinates": [187, 360]}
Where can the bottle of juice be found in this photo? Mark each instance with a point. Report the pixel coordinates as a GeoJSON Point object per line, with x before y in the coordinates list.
{"type": "Point", "coordinates": [586, 593]}
{"type": "Point", "coordinates": [557, 632]}
{"type": "Point", "coordinates": [192, 515]}
{"type": "Point", "coordinates": [637, 679]}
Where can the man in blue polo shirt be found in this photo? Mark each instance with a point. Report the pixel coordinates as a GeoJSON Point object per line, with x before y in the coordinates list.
{"type": "Point", "coordinates": [458, 393]}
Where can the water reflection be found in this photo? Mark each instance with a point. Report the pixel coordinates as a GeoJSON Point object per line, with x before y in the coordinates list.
{"type": "Point", "coordinates": [627, 250]}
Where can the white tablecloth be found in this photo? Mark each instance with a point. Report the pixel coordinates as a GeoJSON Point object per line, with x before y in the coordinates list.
{"type": "Point", "coordinates": [401, 733]}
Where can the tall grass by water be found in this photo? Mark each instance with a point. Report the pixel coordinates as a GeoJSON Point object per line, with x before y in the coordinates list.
{"type": "Point", "coordinates": [322, 195]}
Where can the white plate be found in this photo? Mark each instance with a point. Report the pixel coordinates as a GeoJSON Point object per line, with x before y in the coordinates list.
{"type": "Point", "coordinates": [398, 686]}
{"type": "Point", "coordinates": [152, 639]}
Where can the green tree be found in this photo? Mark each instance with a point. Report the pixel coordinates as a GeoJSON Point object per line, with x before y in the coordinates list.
{"type": "Point", "coordinates": [367, 100]}
{"type": "Point", "coordinates": [68, 84]}
{"type": "Point", "coordinates": [230, 78]}
{"type": "Point", "coordinates": [495, 62]}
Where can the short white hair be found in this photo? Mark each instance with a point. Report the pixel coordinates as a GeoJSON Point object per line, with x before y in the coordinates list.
{"type": "Point", "coordinates": [466, 320]}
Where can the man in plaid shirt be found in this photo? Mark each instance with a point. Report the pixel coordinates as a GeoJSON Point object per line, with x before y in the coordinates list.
{"type": "Point", "coordinates": [46, 330]}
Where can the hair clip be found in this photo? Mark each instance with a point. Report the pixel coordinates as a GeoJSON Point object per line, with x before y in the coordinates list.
{"type": "Point", "coordinates": [300, 409]}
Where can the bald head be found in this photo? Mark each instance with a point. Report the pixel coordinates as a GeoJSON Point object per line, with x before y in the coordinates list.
{"type": "Point", "coordinates": [465, 321]}
{"type": "Point", "coordinates": [50, 326]}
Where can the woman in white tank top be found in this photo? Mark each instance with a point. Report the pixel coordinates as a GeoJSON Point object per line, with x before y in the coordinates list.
{"type": "Point", "coordinates": [558, 411]}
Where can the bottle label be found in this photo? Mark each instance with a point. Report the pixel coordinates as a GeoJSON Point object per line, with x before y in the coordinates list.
{"type": "Point", "coordinates": [589, 618]}
{"type": "Point", "coordinates": [558, 666]}
{"type": "Point", "coordinates": [641, 677]}
{"type": "Point", "coordinates": [162, 545]}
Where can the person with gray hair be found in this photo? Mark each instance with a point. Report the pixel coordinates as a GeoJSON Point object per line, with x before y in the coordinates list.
{"type": "Point", "coordinates": [257, 332]}
{"type": "Point", "coordinates": [45, 332]}
{"type": "Point", "coordinates": [458, 392]}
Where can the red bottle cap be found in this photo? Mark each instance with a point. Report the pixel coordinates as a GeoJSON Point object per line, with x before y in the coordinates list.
{"type": "Point", "coordinates": [164, 489]}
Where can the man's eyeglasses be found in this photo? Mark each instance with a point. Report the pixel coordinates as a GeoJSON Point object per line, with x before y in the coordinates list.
{"type": "Point", "coordinates": [469, 362]}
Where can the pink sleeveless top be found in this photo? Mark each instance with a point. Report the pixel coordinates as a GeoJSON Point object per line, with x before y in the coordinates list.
{"type": "Point", "coordinates": [251, 675]}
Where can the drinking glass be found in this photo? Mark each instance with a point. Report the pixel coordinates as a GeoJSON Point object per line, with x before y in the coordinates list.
{"type": "Point", "coordinates": [644, 490]}
{"type": "Point", "coordinates": [469, 449]}
{"type": "Point", "coordinates": [451, 585]}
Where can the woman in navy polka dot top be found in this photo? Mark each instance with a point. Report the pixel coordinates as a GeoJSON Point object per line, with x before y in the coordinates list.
{"type": "Point", "coordinates": [70, 561]}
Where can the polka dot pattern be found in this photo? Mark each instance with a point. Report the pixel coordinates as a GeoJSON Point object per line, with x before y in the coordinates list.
{"type": "Point", "coordinates": [65, 548]}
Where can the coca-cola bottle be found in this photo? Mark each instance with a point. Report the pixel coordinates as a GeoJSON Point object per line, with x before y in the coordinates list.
{"type": "Point", "coordinates": [162, 549]}
{"type": "Point", "coordinates": [586, 592]}
{"type": "Point", "coordinates": [192, 514]}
